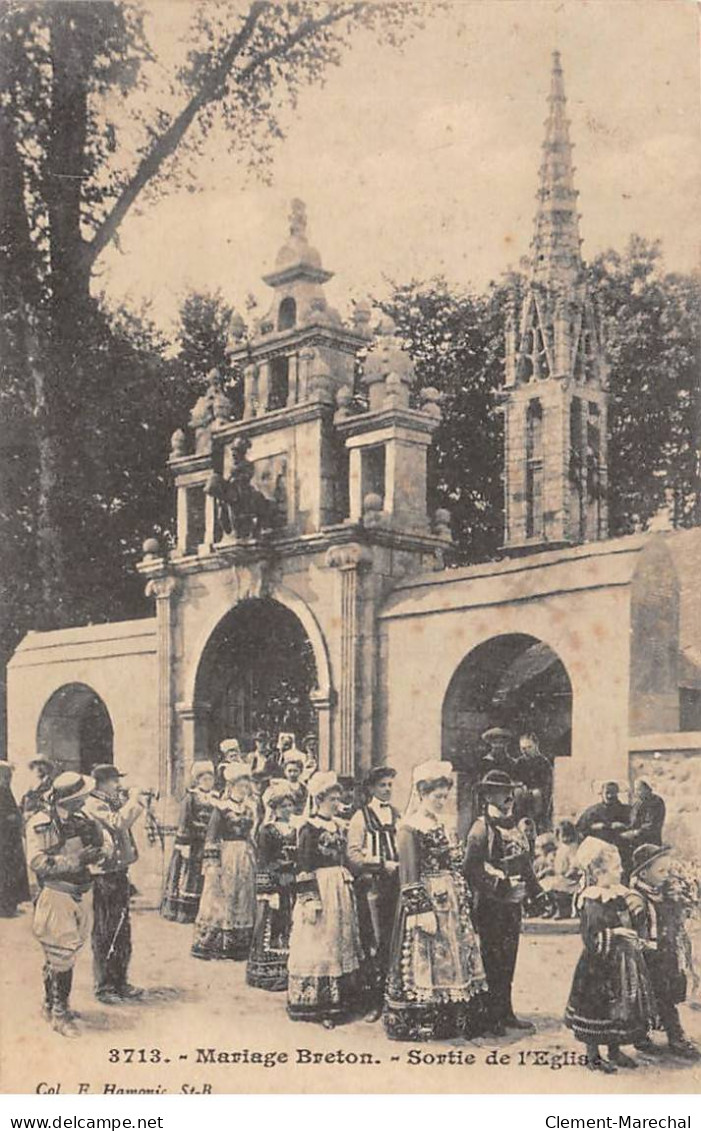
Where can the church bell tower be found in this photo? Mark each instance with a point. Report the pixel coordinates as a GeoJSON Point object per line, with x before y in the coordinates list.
{"type": "Point", "coordinates": [554, 398]}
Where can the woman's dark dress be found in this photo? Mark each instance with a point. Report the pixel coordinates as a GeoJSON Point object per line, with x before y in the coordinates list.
{"type": "Point", "coordinates": [275, 895]}
{"type": "Point", "coordinates": [183, 889]}
{"type": "Point", "coordinates": [14, 885]}
{"type": "Point", "coordinates": [611, 1000]}
{"type": "Point", "coordinates": [224, 924]}
{"type": "Point", "coordinates": [325, 953]}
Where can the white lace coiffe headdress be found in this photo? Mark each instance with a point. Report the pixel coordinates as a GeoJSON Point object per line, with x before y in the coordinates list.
{"type": "Point", "coordinates": [595, 856]}
{"type": "Point", "coordinates": [236, 771]}
{"type": "Point", "coordinates": [428, 773]}
{"type": "Point", "coordinates": [278, 791]}
{"type": "Point", "coordinates": [198, 769]}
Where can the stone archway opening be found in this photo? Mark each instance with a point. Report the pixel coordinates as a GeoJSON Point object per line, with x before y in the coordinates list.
{"type": "Point", "coordinates": [257, 672]}
{"type": "Point", "coordinates": [75, 729]}
{"type": "Point", "coordinates": [514, 681]}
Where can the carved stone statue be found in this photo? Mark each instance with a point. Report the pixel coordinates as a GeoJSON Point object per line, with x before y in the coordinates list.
{"type": "Point", "coordinates": [242, 510]}
{"type": "Point", "coordinates": [213, 405]}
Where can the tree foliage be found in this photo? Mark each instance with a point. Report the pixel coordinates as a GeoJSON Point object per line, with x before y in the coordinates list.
{"type": "Point", "coordinates": [652, 328]}
{"type": "Point", "coordinates": [456, 340]}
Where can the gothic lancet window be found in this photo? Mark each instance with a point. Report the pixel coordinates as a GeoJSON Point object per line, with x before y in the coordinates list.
{"type": "Point", "coordinates": [577, 465]}
{"type": "Point", "coordinates": [534, 469]}
{"type": "Point", "coordinates": [593, 471]}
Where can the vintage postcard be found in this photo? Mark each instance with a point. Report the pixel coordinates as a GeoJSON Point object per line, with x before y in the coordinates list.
{"type": "Point", "coordinates": [351, 541]}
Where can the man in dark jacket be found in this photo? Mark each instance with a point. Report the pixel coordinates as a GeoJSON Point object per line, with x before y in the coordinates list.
{"type": "Point", "coordinates": [607, 819]}
{"type": "Point", "coordinates": [115, 813]}
{"type": "Point", "coordinates": [38, 796]}
{"type": "Point", "coordinates": [647, 816]}
{"type": "Point", "coordinates": [14, 885]}
{"type": "Point", "coordinates": [499, 872]}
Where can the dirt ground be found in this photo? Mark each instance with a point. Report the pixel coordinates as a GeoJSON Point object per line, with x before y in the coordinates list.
{"type": "Point", "coordinates": [190, 1007]}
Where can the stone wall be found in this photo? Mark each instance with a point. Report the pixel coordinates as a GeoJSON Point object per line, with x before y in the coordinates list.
{"type": "Point", "coordinates": [672, 765]}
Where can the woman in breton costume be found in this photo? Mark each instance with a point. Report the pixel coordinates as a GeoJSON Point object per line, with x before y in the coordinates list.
{"type": "Point", "coordinates": [325, 952]}
{"type": "Point", "coordinates": [183, 889]}
{"type": "Point", "coordinates": [436, 984]}
{"type": "Point", "coordinates": [275, 890]}
{"type": "Point", "coordinates": [224, 925]}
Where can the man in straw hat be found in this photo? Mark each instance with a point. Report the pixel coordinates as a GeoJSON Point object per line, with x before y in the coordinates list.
{"type": "Point", "coordinates": [499, 872]}
{"type": "Point", "coordinates": [111, 935]}
{"type": "Point", "coordinates": [373, 858]}
{"type": "Point", "coordinates": [61, 846]}
{"type": "Point", "coordinates": [665, 901]}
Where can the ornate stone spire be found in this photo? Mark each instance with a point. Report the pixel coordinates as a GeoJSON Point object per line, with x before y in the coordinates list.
{"type": "Point", "coordinates": [554, 397]}
{"type": "Point", "coordinates": [555, 248]}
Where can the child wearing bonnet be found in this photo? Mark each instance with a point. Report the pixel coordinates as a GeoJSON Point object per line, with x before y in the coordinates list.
{"type": "Point", "coordinates": [611, 1001]}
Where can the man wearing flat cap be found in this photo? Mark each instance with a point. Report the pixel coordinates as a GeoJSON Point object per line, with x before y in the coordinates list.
{"type": "Point", "coordinates": [62, 846]}
{"type": "Point", "coordinates": [499, 873]}
{"type": "Point", "coordinates": [111, 936]}
{"type": "Point", "coordinates": [374, 860]}
{"type": "Point", "coordinates": [499, 741]}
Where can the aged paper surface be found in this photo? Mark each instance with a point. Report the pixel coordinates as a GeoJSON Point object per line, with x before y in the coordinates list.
{"type": "Point", "coordinates": [310, 561]}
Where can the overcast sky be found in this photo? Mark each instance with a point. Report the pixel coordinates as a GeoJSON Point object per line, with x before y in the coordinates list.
{"type": "Point", "coordinates": [425, 161]}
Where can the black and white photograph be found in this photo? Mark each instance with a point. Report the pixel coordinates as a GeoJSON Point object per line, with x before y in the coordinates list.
{"type": "Point", "coordinates": [350, 491]}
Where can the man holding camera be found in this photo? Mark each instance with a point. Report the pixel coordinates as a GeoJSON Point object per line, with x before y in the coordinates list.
{"type": "Point", "coordinates": [116, 811]}
{"type": "Point", "coordinates": [499, 872]}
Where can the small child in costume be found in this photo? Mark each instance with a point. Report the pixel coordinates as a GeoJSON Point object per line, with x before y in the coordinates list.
{"type": "Point", "coordinates": [560, 881]}
{"type": "Point", "coordinates": [611, 1001]}
{"type": "Point", "coordinates": [666, 899]}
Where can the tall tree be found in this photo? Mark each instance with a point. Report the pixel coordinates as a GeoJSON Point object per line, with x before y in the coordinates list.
{"type": "Point", "coordinates": [69, 71]}
{"type": "Point", "coordinates": [652, 330]}
{"type": "Point", "coordinates": [456, 340]}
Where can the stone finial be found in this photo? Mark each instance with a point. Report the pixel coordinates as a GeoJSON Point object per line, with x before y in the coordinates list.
{"type": "Point", "coordinates": [431, 402]}
{"type": "Point", "coordinates": [178, 444]}
{"type": "Point", "coordinates": [388, 357]}
{"type": "Point", "coordinates": [362, 315]}
{"type": "Point", "coordinates": [237, 329]}
{"type": "Point", "coordinates": [396, 392]}
{"type": "Point", "coordinates": [386, 327]}
{"type": "Point", "coordinates": [151, 548]}
{"type": "Point", "coordinates": [210, 410]}
{"type": "Point", "coordinates": [298, 218]}
{"type": "Point", "coordinates": [372, 510]}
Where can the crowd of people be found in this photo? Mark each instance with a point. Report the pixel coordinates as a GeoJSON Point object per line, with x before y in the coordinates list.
{"type": "Point", "coordinates": [353, 910]}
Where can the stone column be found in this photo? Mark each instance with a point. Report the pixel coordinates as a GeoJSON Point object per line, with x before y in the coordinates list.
{"type": "Point", "coordinates": [205, 547]}
{"type": "Point", "coordinates": [355, 484]}
{"type": "Point", "coordinates": [263, 388]}
{"type": "Point", "coordinates": [349, 560]}
{"type": "Point", "coordinates": [192, 717]}
{"type": "Point", "coordinates": [293, 381]}
{"type": "Point", "coordinates": [322, 703]}
{"type": "Point", "coordinates": [183, 523]}
{"type": "Point", "coordinates": [163, 588]}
